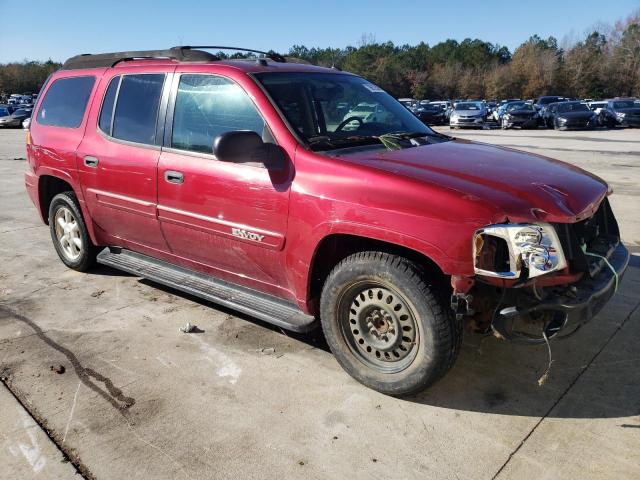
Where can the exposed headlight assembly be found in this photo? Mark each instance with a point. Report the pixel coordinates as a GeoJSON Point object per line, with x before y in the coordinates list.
{"type": "Point", "coordinates": [506, 250]}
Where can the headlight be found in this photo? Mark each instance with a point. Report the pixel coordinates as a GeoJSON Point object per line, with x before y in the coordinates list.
{"type": "Point", "coordinates": [454, 117]}
{"type": "Point", "coordinates": [620, 115]}
{"type": "Point", "coordinates": [562, 120]}
{"type": "Point", "coordinates": [508, 250]}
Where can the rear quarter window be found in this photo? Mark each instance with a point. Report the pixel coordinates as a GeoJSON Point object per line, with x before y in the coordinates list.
{"type": "Point", "coordinates": [65, 102]}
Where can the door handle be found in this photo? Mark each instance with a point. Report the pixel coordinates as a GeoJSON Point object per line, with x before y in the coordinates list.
{"type": "Point", "coordinates": [90, 161]}
{"type": "Point", "coordinates": [172, 176]}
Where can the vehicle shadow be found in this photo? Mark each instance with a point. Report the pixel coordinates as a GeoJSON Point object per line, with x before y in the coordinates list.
{"type": "Point", "coordinates": [595, 371]}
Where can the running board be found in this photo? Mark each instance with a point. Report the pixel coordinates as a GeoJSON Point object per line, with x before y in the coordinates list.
{"type": "Point", "coordinates": [257, 304]}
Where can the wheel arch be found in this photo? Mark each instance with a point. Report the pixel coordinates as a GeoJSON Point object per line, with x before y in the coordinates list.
{"type": "Point", "coordinates": [335, 247]}
{"type": "Point", "coordinates": [48, 187]}
{"type": "Point", "coordinates": [51, 184]}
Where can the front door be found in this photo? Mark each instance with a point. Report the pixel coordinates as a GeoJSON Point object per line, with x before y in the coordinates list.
{"type": "Point", "coordinates": [118, 161]}
{"type": "Point", "coordinates": [229, 217]}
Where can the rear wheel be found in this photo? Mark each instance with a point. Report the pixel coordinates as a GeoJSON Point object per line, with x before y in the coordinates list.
{"type": "Point", "coordinates": [69, 233]}
{"type": "Point", "coordinates": [385, 325]}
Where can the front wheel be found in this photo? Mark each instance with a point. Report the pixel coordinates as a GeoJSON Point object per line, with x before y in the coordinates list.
{"type": "Point", "coordinates": [385, 325]}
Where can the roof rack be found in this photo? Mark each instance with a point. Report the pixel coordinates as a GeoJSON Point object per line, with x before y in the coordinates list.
{"type": "Point", "coordinates": [276, 57]}
{"type": "Point", "coordinates": [180, 54]}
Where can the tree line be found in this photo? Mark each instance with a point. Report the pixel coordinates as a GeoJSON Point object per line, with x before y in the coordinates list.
{"type": "Point", "coordinates": [605, 63]}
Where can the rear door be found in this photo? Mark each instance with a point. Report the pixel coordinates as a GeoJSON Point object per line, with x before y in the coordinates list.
{"type": "Point", "coordinates": [229, 217]}
{"type": "Point", "coordinates": [118, 157]}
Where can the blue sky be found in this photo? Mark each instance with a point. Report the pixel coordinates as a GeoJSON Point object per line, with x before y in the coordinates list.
{"type": "Point", "coordinates": [57, 29]}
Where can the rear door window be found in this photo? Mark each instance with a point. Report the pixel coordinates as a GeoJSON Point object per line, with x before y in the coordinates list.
{"type": "Point", "coordinates": [208, 106]}
{"type": "Point", "coordinates": [136, 112]}
{"type": "Point", "coordinates": [65, 102]}
{"type": "Point", "coordinates": [106, 114]}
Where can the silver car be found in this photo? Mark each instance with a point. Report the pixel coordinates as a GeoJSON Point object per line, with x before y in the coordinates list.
{"type": "Point", "coordinates": [468, 114]}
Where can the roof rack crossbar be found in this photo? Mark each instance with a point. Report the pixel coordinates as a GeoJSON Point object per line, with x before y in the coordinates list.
{"type": "Point", "coordinates": [276, 57]}
{"type": "Point", "coordinates": [111, 59]}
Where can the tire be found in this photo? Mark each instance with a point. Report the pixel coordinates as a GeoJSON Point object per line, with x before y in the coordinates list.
{"type": "Point", "coordinates": [386, 326]}
{"type": "Point", "coordinates": [76, 249]}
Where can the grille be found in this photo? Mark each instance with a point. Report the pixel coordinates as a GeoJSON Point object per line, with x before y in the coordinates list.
{"type": "Point", "coordinates": [598, 234]}
{"type": "Point", "coordinates": [576, 123]}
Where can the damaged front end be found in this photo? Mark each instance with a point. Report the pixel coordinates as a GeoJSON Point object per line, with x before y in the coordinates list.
{"type": "Point", "coordinates": [535, 282]}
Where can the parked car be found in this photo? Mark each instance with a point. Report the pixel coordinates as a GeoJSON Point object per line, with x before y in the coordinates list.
{"type": "Point", "coordinates": [597, 107]}
{"type": "Point", "coordinates": [365, 113]}
{"type": "Point", "coordinates": [5, 113]}
{"type": "Point", "coordinates": [222, 179]}
{"type": "Point", "coordinates": [15, 119]}
{"type": "Point", "coordinates": [468, 114]}
{"type": "Point", "coordinates": [431, 114]}
{"type": "Point", "coordinates": [570, 115]}
{"type": "Point", "coordinates": [447, 107]}
{"type": "Point", "coordinates": [519, 114]}
{"type": "Point", "coordinates": [542, 102]}
{"type": "Point", "coordinates": [622, 112]}
{"type": "Point", "coordinates": [500, 111]}
{"type": "Point", "coordinates": [410, 103]}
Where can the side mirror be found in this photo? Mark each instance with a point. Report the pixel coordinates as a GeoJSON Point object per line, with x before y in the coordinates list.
{"type": "Point", "coordinates": [245, 146]}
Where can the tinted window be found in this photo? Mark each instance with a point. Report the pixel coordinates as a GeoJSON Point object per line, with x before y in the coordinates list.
{"type": "Point", "coordinates": [137, 108]}
{"type": "Point", "coordinates": [208, 106]}
{"type": "Point", "coordinates": [107, 106]}
{"type": "Point", "coordinates": [628, 104]}
{"type": "Point", "coordinates": [65, 102]}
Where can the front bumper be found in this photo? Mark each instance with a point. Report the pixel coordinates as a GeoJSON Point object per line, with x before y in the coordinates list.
{"type": "Point", "coordinates": [575, 124]}
{"type": "Point", "coordinates": [574, 304]}
{"type": "Point", "coordinates": [522, 122]}
{"type": "Point", "coordinates": [467, 122]}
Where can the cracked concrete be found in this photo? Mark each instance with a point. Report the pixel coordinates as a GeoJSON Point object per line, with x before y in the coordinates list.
{"type": "Point", "coordinates": [209, 405]}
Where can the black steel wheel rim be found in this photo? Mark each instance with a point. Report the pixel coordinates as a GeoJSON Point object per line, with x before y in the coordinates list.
{"type": "Point", "coordinates": [379, 326]}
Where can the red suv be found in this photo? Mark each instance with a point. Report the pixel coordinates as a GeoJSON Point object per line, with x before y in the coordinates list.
{"type": "Point", "coordinates": [270, 187]}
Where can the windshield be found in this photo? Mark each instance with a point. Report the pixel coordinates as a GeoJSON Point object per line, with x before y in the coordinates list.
{"type": "Point", "coordinates": [519, 106]}
{"type": "Point", "coordinates": [313, 105]}
{"type": "Point", "coordinates": [516, 106]}
{"type": "Point", "coordinates": [467, 106]}
{"type": "Point", "coordinates": [573, 107]}
{"type": "Point", "coordinates": [628, 104]}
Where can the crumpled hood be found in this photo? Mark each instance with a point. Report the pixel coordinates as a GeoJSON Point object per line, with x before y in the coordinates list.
{"type": "Point", "coordinates": [517, 185]}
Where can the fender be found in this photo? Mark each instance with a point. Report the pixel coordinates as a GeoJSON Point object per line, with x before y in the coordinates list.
{"type": "Point", "coordinates": [47, 170]}
{"type": "Point", "coordinates": [301, 257]}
